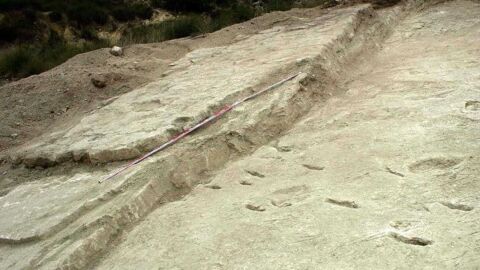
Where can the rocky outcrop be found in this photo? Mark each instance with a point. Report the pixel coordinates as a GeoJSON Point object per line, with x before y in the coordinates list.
{"type": "Point", "coordinates": [312, 153]}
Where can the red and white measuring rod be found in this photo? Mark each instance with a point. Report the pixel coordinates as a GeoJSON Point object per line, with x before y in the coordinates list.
{"type": "Point", "coordinates": [195, 127]}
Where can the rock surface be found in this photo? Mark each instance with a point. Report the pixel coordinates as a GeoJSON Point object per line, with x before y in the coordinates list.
{"type": "Point", "coordinates": [396, 149]}
{"type": "Point", "coordinates": [116, 51]}
{"type": "Point", "coordinates": [367, 160]}
{"type": "Point", "coordinates": [99, 81]}
{"type": "Point", "coordinates": [151, 114]}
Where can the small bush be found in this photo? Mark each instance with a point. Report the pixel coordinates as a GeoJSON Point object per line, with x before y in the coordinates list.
{"type": "Point", "coordinates": [170, 29]}
{"type": "Point", "coordinates": [157, 3]}
{"type": "Point", "coordinates": [282, 5]}
{"type": "Point", "coordinates": [22, 61]}
{"type": "Point", "coordinates": [8, 5]}
{"type": "Point", "coordinates": [85, 13]}
{"type": "Point", "coordinates": [14, 62]}
{"type": "Point", "coordinates": [30, 14]}
{"type": "Point", "coordinates": [20, 24]}
{"type": "Point", "coordinates": [384, 3]}
{"type": "Point", "coordinates": [236, 14]}
{"type": "Point", "coordinates": [129, 12]}
{"type": "Point", "coordinates": [186, 5]}
{"type": "Point", "coordinates": [15, 26]}
{"type": "Point", "coordinates": [88, 33]}
{"type": "Point", "coordinates": [55, 16]}
{"type": "Point", "coordinates": [142, 10]}
{"type": "Point", "coordinates": [316, 3]}
{"type": "Point", "coordinates": [123, 13]}
{"type": "Point", "coordinates": [183, 27]}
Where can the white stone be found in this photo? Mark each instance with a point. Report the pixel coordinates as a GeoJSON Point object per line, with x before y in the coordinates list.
{"type": "Point", "coordinates": [116, 51]}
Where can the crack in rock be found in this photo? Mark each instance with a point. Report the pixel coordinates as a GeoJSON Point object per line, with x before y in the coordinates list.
{"type": "Point", "coordinates": [313, 167]}
{"type": "Point", "coordinates": [457, 206]}
{"type": "Point", "coordinates": [255, 173]}
{"type": "Point", "coordinates": [417, 241]}
{"type": "Point", "coordinates": [344, 203]}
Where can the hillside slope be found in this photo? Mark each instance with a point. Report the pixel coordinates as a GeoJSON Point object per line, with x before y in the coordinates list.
{"type": "Point", "coordinates": [383, 177]}
{"type": "Point", "coordinates": [367, 159]}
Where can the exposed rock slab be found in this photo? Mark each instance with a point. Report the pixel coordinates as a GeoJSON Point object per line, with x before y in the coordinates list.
{"type": "Point", "coordinates": [386, 168]}
{"type": "Point", "coordinates": [87, 217]}
{"type": "Point", "coordinates": [37, 210]}
{"type": "Point", "coordinates": [200, 82]}
{"type": "Point", "coordinates": [398, 145]}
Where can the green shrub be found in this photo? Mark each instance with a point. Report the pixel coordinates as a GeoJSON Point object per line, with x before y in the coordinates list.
{"type": "Point", "coordinates": [30, 14]}
{"type": "Point", "coordinates": [157, 3]}
{"type": "Point", "coordinates": [19, 24]}
{"type": "Point", "coordinates": [7, 5]}
{"type": "Point", "coordinates": [316, 3]}
{"type": "Point", "coordinates": [183, 27]}
{"type": "Point", "coordinates": [55, 16]}
{"type": "Point", "coordinates": [197, 6]}
{"type": "Point", "coordinates": [186, 5]}
{"type": "Point", "coordinates": [236, 14]}
{"type": "Point", "coordinates": [14, 62]}
{"type": "Point", "coordinates": [88, 33]}
{"type": "Point", "coordinates": [131, 11]}
{"type": "Point", "coordinates": [281, 5]}
{"type": "Point", "coordinates": [142, 10]}
{"type": "Point", "coordinates": [170, 29]}
{"type": "Point", "coordinates": [16, 26]}
{"type": "Point", "coordinates": [85, 13]}
{"type": "Point", "coordinates": [22, 61]}
{"type": "Point", "coordinates": [123, 13]}
{"type": "Point", "coordinates": [58, 6]}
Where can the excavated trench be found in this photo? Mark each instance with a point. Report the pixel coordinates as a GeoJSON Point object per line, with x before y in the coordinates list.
{"type": "Point", "coordinates": [94, 216]}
